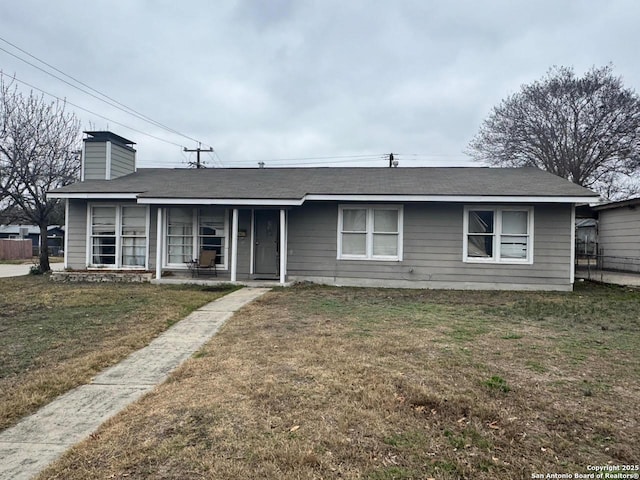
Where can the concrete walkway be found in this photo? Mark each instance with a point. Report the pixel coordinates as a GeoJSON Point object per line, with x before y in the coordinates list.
{"type": "Point", "coordinates": [37, 440]}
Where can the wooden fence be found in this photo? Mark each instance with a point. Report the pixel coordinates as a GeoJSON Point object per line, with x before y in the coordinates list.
{"type": "Point", "coordinates": [15, 249]}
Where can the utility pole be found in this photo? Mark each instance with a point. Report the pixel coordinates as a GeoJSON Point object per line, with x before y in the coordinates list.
{"type": "Point", "coordinates": [392, 161]}
{"type": "Point", "coordinates": [198, 150]}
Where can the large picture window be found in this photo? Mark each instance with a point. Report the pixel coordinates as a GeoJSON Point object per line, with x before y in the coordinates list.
{"type": "Point", "coordinates": [498, 234]}
{"type": "Point", "coordinates": [370, 232]}
{"type": "Point", "coordinates": [118, 236]}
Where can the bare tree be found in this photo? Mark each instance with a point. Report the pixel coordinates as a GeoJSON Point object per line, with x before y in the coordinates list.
{"type": "Point", "coordinates": [38, 143]}
{"type": "Point", "coordinates": [585, 129]}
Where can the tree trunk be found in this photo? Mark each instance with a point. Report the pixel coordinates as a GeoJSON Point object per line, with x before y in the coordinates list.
{"type": "Point", "coordinates": [44, 248]}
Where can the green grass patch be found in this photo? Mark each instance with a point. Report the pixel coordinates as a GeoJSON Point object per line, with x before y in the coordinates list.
{"type": "Point", "coordinates": [512, 336]}
{"type": "Point", "coordinates": [497, 383]}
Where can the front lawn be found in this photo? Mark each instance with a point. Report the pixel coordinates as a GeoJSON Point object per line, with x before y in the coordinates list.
{"type": "Point", "coordinates": [318, 382]}
{"type": "Point", "coordinates": [56, 336]}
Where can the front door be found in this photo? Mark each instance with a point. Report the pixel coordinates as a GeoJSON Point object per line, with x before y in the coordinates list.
{"type": "Point", "coordinates": [267, 228]}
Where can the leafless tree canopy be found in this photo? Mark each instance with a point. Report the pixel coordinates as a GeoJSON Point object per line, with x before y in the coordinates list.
{"type": "Point", "coordinates": [586, 130]}
{"type": "Point", "coordinates": [37, 153]}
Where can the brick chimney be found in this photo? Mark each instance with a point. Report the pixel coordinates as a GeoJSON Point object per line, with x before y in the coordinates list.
{"type": "Point", "coordinates": [106, 156]}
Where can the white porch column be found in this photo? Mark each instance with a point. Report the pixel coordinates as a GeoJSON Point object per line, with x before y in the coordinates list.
{"type": "Point", "coordinates": [283, 246]}
{"type": "Point", "coordinates": [234, 245]}
{"type": "Point", "coordinates": [573, 245]}
{"type": "Point", "coordinates": [159, 244]}
{"type": "Point", "coordinates": [66, 231]}
{"type": "Point", "coordinates": [252, 244]}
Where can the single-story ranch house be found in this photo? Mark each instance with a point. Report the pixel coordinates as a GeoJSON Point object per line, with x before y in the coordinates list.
{"type": "Point", "coordinates": [470, 228]}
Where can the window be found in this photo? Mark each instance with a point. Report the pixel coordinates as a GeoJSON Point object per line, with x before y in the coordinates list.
{"type": "Point", "coordinates": [134, 236]}
{"type": "Point", "coordinates": [191, 230]}
{"type": "Point", "coordinates": [103, 236]}
{"type": "Point", "coordinates": [212, 232]}
{"type": "Point", "coordinates": [370, 232]}
{"type": "Point", "coordinates": [118, 236]}
{"type": "Point", "coordinates": [497, 234]}
{"type": "Point", "coordinates": [179, 235]}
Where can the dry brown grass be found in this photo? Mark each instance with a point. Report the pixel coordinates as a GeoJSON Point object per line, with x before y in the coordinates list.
{"type": "Point", "coordinates": [56, 336]}
{"type": "Point", "coordinates": [318, 382]}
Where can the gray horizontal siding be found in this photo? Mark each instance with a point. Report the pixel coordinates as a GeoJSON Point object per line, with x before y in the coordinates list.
{"type": "Point", "coordinates": [122, 161]}
{"type": "Point", "coordinates": [95, 155]}
{"type": "Point", "coordinates": [433, 238]}
{"type": "Point", "coordinates": [153, 234]}
{"type": "Point", "coordinates": [76, 233]}
{"type": "Point", "coordinates": [244, 243]}
{"type": "Point", "coordinates": [619, 238]}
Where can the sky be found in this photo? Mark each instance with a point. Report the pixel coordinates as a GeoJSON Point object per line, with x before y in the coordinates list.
{"type": "Point", "coordinates": [306, 83]}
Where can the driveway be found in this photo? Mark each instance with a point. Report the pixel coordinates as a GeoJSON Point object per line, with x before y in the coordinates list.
{"type": "Point", "coordinates": [19, 270]}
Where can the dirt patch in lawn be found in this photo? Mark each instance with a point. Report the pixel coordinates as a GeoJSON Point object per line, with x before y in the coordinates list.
{"type": "Point", "coordinates": [56, 336]}
{"type": "Point", "coordinates": [317, 382]}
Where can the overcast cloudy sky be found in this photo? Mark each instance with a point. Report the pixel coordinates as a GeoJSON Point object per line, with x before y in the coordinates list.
{"type": "Point", "coordinates": [283, 79]}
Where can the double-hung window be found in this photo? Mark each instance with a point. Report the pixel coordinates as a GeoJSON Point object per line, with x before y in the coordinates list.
{"type": "Point", "coordinates": [118, 236]}
{"type": "Point", "coordinates": [189, 231]}
{"type": "Point", "coordinates": [103, 235]}
{"type": "Point", "coordinates": [133, 232]}
{"type": "Point", "coordinates": [211, 224]}
{"type": "Point", "coordinates": [370, 232]}
{"type": "Point", "coordinates": [179, 235]}
{"type": "Point", "coordinates": [498, 234]}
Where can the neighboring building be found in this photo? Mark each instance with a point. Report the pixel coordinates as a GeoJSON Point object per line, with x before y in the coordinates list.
{"type": "Point", "coordinates": [472, 228]}
{"type": "Point", "coordinates": [619, 235]}
{"type": "Point", "coordinates": [586, 236]}
{"type": "Point", "coordinates": [55, 236]}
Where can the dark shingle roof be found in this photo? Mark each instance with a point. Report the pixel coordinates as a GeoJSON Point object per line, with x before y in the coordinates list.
{"type": "Point", "coordinates": [295, 183]}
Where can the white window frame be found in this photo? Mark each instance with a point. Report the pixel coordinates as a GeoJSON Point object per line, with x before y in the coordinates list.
{"type": "Point", "coordinates": [118, 234]}
{"type": "Point", "coordinates": [122, 236]}
{"type": "Point", "coordinates": [165, 237]}
{"type": "Point", "coordinates": [197, 236]}
{"type": "Point", "coordinates": [497, 234]}
{"type": "Point", "coordinates": [369, 232]}
{"type": "Point", "coordinates": [195, 219]}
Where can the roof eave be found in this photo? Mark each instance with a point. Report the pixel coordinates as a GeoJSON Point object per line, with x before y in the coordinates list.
{"type": "Point", "coordinates": [93, 196]}
{"type": "Point", "coordinates": [367, 198]}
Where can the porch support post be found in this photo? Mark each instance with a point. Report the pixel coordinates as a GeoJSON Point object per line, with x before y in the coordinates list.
{"type": "Point", "coordinates": [234, 245]}
{"type": "Point", "coordinates": [159, 244]}
{"type": "Point", "coordinates": [252, 244]}
{"type": "Point", "coordinates": [573, 245]}
{"type": "Point", "coordinates": [283, 247]}
{"type": "Point", "coordinates": [66, 232]}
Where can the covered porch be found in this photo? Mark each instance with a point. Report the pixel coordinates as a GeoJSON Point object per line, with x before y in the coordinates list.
{"type": "Point", "coordinates": [249, 242]}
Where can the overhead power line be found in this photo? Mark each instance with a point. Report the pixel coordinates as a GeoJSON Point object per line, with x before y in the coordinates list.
{"type": "Point", "coordinates": [87, 110]}
{"type": "Point", "coordinates": [369, 156]}
{"type": "Point", "coordinates": [107, 99]}
{"type": "Point", "coordinates": [342, 159]}
{"type": "Point", "coordinates": [319, 160]}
